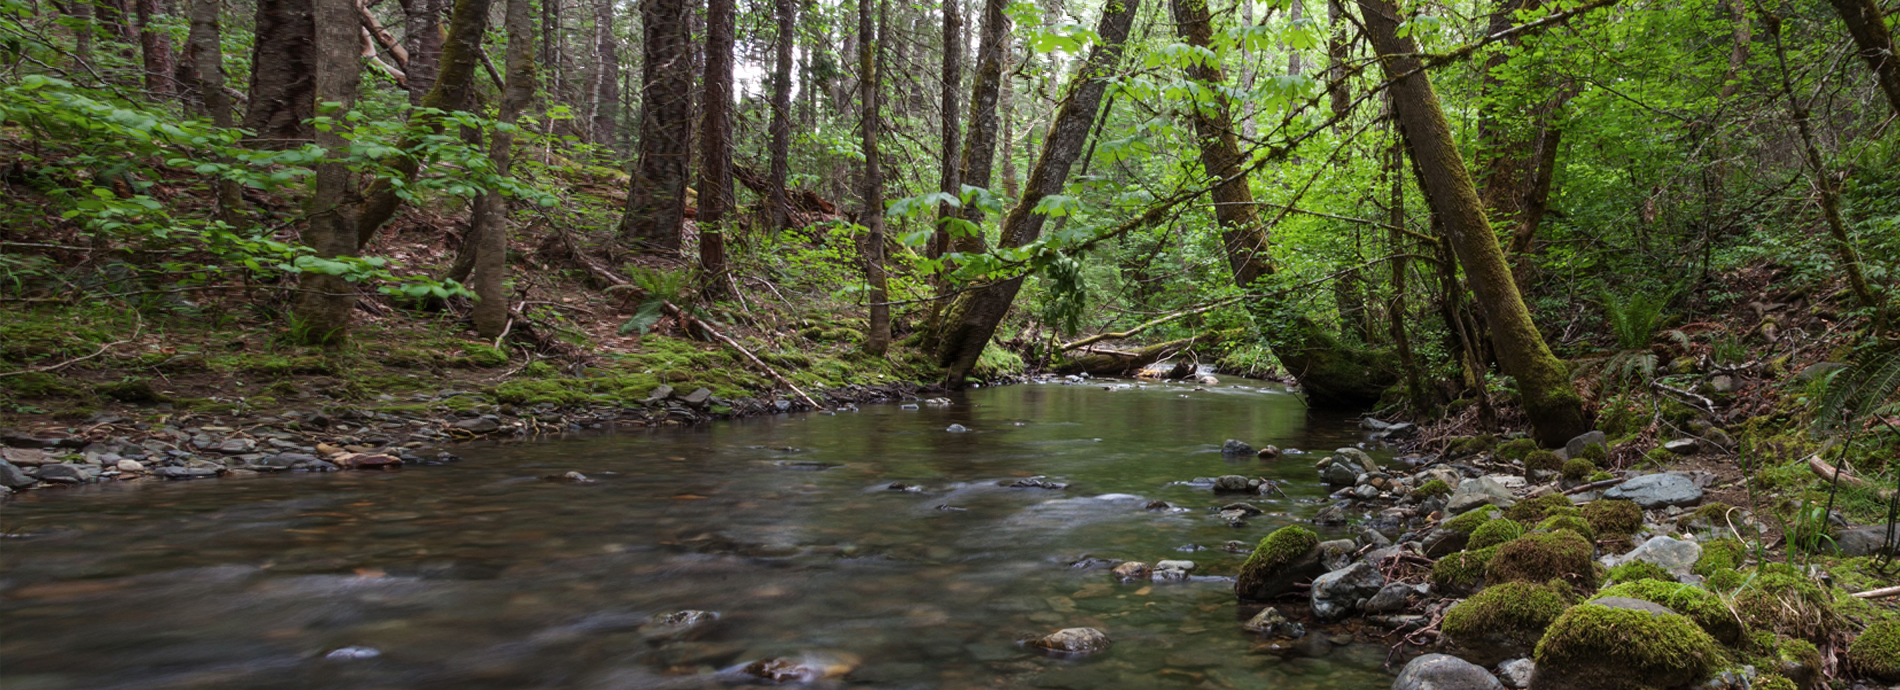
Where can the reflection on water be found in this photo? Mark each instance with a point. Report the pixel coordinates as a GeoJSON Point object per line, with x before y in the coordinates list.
{"type": "Point", "coordinates": [481, 575]}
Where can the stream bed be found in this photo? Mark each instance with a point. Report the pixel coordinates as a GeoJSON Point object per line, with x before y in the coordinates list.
{"type": "Point", "coordinates": [483, 575]}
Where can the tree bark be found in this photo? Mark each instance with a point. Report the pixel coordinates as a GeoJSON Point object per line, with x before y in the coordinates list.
{"type": "Point", "coordinates": [656, 204]}
{"type": "Point", "coordinates": [1867, 24]}
{"type": "Point", "coordinates": [83, 28]}
{"type": "Point", "coordinates": [972, 320]}
{"type": "Point", "coordinates": [871, 35]}
{"type": "Point", "coordinates": [283, 72]}
{"type": "Point", "coordinates": [155, 47]}
{"type": "Point", "coordinates": [779, 205]}
{"type": "Point", "coordinates": [422, 38]}
{"type": "Point", "coordinates": [491, 256]}
{"type": "Point", "coordinates": [204, 67]}
{"type": "Point", "coordinates": [1550, 400]}
{"type": "Point", "coordinates": [323, 314]}
{"type": "Point", "coordinates": [715, 137]}
{"type": "Point", "coordinates": [978, 155]}
{"type": "Point", "coordinates": [950, 179]}
{"type": "Point", "coordinates": [1338, 53]}
{"type": "Point", "coordinates": [606, 88]}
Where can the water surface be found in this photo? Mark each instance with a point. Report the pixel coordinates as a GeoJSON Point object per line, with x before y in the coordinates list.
{"type": "Point", "coordinates": [481, 575]}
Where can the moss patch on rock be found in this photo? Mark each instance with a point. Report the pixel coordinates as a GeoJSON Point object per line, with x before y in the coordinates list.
{"type": "Point", "coordinates": [1542, 557]}
{"type": "Point", "coordinates": [1435, 487]}
{"type": "Point", "coordinates": [1718, 554]}
{"type": "Point", "coordinates": [1577, 469]}
{"type": "Point", "coordinates": [1613, 516]}
{"type": "Point", "coordinates": [1604, 648]}
{"type": "Point", "coordinates": [1542, 460]}
{"type": "Point", "coordinates": [1571, 523]}
{"type": "Point", "coordinates": [1516, 449]}
{"type": "Point", "coordinates": [1639, 570]}
{"type": "Point", "coordinates": [1779, 599]}
{"type": "Point", "coordinates": [1273, 562]}
{"type": "Point", "coordinates": [1468, 445]}
{"type": "Point", "coordinates": [1876, 652]}
{"type": "Point", "coordinates": [1505, 620]}
{"type": "Point", "coordinates": [1469, 521]}
{"type": "Point", "coordinates": [1531, 511]}
{"type": "Point", "coordinates": [1495, 532]}
{"type": "Point", "coordinates": [1706, 609]}
{"type": "Point", "coordinates": [1462, 571]}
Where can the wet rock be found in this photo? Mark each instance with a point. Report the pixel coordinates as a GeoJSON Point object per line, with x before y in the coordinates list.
{"type": "Point", "coordinates": [1574, 447]}
{"type": "Point", "coordinates": [1673, 555]}
{"type": "Point", "coordinates": [1158, 505]}
{"type": "Point", "coordinates": [1268, 453]}
{"type": "Point", "coordinates": [570, 477]}
{"type": "Point", "coordinates": [1372, 537]}
{"type": "Point", "coordinates": [1072, 642]}
{"type": "Point", "coordinates": [1657, 491]}
{"type": "Point", "coordinates": [25, 457]}
{"type": "Point", "coordinates": [1861, 541]}
{"type": "Point", "coordinates": [1391, 597]}
{"type": "Point", "coordinates": [1033, 483]}
{"type": "Point", "coordinates": [478, 425]}
{"type": "Point", "coordinates": [1399, 431]}
{"type": "Point", "coordinates": [906, 488]}
{"type": "Point", "coordinates": [323, 466]}
{"type": "Point", "coordinates": [129, 466]}
{"type": "Point", "coordinates": [236, 446]}
{"type": "Point", "coordinates": [1173, 571]}
{"type": "Point", "coordinates": [182, 473]}
{"type": "Point", "coordinates": [805, 669]}
{"type": "Point", "coordinates": [1472, 493]}
{"type": "Point", "coordinates": [284, 461]}
{"type": "Point", "coordinates": [1284, 558]}
{"type": "Point", "coordinates": [1339, 474]}
{"type": "Point", "coordinates": [1234, 483]}
{"type": "Point", "coordinates": [1330, 515]}
{"type": "Point", "coordinates": [1337, 553]}
{"type": "Point", "coordinates": [1269, 621]}
{"type": "Point", "coordinates": [1235, 448]}
{"type": "Point", "coordinates": [353, 653]}
{"type": "Point", "coordinates": [22, 440]}
{"type": "Point", "coordinates": [1358, 458]}
{"type": "Point", "coordinates": [1681, 446]}
{"type": "Point", "coordinates": [12, 477]}
{"type": "Point", "coordinates": [678, 625]}
{"type": "Point", "coordinates": [368, 461]}
{"type": "Point", "coordinates": [698, 398]}
{"type": "Point", "coordinates": [1444, 672]}
{"type": "Point", "coordinates": [1132, 571]}
{"type": "Point", "coordinates": [1516, 673]}
{"type": "Point", "coordinates": [956, 428]}
{"type": "Point", "coordinates": [1365, 492]}
{"type": "Point", "coordinates": [63, 474]}
{"type": "Point", "coordinates": [1339, 592]}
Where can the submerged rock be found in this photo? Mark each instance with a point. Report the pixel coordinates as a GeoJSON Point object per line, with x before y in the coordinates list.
{"type": "Point", "coordinates": [1132, 571]}
{"type": "Point", "coordinates": [1173, 571]}
{"type": "Point", "coordinates": [1269, 621]}
{"type": "Point", "coordinates": [1072, 642]}
{"type": "Point", "coordinates": [1444, 672]}
{"type": "Point", "coordinates": [683, 624]}
{"type": "Point", "coordinates": [1235, 448]}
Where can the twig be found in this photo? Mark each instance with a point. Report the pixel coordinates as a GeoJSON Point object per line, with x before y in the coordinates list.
{"type": "Point", "coordinates": [1831, 473]}
{"type": "Point", "coordinates": [1878, 593]}
{"type": "Point", "coordinates": [1591, 485]}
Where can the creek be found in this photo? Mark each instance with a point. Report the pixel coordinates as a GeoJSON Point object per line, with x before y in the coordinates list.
{"type": "Point", "coordinates": [484, 575]}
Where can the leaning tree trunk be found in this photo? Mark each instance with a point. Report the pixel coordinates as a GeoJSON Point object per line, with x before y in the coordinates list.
{"type": "Point", "coordinates": [1550, 400]}
{"type": "Point", "coordinates": [422, 38]}
{"type": "Point", "coordinates": [949, 179]}
{"type": "Point", "coordinates": [156, 49]}
{"type": "Point", "coordinates": [491, 253]}
{"type": "Point", "coordinates": [322, 315]}
{"type": "Point", "coordinates": [656, 204]}
{"type": "Point", "coordinates": [778, 202]}
{"type": "Point", "coordinates": [283, 73]}
{"type": "Point", "coordinates": [715, 140]}
{"type": "Point", "coordinates": [870, 96]}
{"type": "Point", "coordinates": [972, 319]}
{"type": "Point", "coordinates": [1866, 23]}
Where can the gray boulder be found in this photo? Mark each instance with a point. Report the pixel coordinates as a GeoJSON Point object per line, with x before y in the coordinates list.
{"type": "Point", "coordinates": [1390, 598]}
{"type": "Point", "coordinates": [1339, 474]}
{"type": "Point", "coordinates": [479, 425]}
{"type": "Point", "coordinates": [13, 477]}
{"type": "Point", "coordinates": [236, 446]}
{"type": "Point", "coordinates": [1472, 493]}
{"type": "Point", "coordinates": [1269, 621]}
{"type": "Point", "coordinates": [1357, 457]}
{"type": "Point", "coordinates": [1517, 673]}
{"type": "Point", "coordinates": [1072, 641]}
{"type": "Point", "coordinates": [698, 398]}
{"type": "Point", "coordinates": [1657, 491]}
{"type": "Point", "coordinates": [1574, 447]}
{"type": "Point", "coordinates": [1444, 672]}
{"type": "Point", "coordinates": [1233, 483]}
{"type": "Point", "coordinates": [1673, 555]}
{"type": "Point", "coordinates": [1235, 448]}
{"type": "Point", "coordinates": [63, 474]}
{"type": "Point", "coordinates": [1861, 541]}
{"type": "Point", "coordinates": [1340, 592]}
{"type": "Point", "coordinates": [1172, 571]}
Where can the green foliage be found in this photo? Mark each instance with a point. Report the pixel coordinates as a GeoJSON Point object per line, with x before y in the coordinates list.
{"type": "Point", "coordinates": [1635, 317]}
{"type": "Point", "coordinates": [1495, 532]}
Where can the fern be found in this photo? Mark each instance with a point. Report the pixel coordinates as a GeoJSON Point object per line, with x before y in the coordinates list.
{"type": "Point", "coordinates": [1859, 391]}
{"type": "Point", "coordinates": [661, 287]}
{"type": "Point", "coordinates": [1634, 318]}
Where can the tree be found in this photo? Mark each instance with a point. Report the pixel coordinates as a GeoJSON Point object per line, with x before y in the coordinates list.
{"type": "Point", "coordinates": [1550, 400]}
{"type": "Point", "coordinates": [491, 244]}
{"type": "Point", "coordinates": [323, 312]}
{"type": "Point", "coordinates": [972, 319]}
{"type": "Point", "coordinates": [422, 38]}
{"type": "Point", "coordinates": [156, 48]}
{"type": "Point", "coordinates": [950, 179]}
{"type": "Point", "coordinates": [779, 205]}
{"type": "Point", "coordinates": [605, 93]}
{"type": "Point", "coordinates": [656, 203]}
{"type": "Point", "coordinates": [204, 70]}
{"type": "Point", "coordinates": [283, 72]}
{"type": "Point", "coordinates": [715, 137]}
{"type": "Point", "coordinates": [870, 98]}
{"type": "Point", "coordinates": [978, 152]}
{"type": "Point", "coordinates": [1867, 24]}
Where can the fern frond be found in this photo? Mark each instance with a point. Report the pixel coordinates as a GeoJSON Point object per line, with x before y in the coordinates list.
{"type": "Point", "coordinates": [1858, 391]}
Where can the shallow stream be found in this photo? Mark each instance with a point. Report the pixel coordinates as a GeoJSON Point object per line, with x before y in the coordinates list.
{"type": "Point", "coordinates": [481, 575]}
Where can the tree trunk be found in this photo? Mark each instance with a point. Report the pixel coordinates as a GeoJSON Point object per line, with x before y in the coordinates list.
{"type": "Point", "coordinates": [1396, 315]}
{"type": "Point", "coordinates": [83, 29]}
{"type": "Point", "coordinates": [1338, 47]}
{"type": "Point", "coordinates": [283, 72]}
{"type": "Point", "coordinates": [1550, 400]}
{"type": "Point", "coordinates": [606, 91]}
{"type": "Point", "coordinates": [204, 66]}
{"type": "Point", "coordinates": [950, 180]}
{"type": "Point", "coordinates": [1294, 65]}
{"type": "Point", "coordinates": [422, 38]}
{"type": "Point", "coordinates": [779, 206]}
{"type": "Point", "coordinates": [323, 312]}
{"type": "Point", "coordinates": [871, 35]}
{"type": "Point", "coordinates": [979, 144]}
{"type": "Point", "coordinates": [715, 139]}
{"type": "Point", "coordinates": [1006, 103]}
{"type": "Point", "coordinates": [1866, 23]}
{"type": "Point", "coordinates": [156, 49]}
{"type": "Point", "coordinates": [491, 255]}
{"type": "Point", "coordinates": [656, 204]}
{"type": "Point", "coordinates": [972, 320]}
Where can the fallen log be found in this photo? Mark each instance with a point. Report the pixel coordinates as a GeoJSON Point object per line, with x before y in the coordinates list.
{"type": "Point", "coordinates": [1099, 362]}
{"type": "Point", "coordinates": [1831, 473]}
{"type": "Point", "coordinates": [1878, 593]}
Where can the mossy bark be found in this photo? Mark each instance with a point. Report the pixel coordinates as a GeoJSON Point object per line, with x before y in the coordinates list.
{"type": "Point", "coordinates": [1550, 400]}
{"type": "Point", "coordinates": [323, 309]}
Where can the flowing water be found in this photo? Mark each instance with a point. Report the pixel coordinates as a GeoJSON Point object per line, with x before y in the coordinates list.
{"type": "Point", "coordinates": [481, 575]}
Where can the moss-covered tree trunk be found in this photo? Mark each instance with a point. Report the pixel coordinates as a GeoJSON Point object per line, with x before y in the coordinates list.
{"type": "Point", "coordinates": [322, 315]}
{"type": "Point", "coordinates": [1874, 41]}
{"type": "Point", "coordinates": [871, 34]}
{"type": "Point", "coordinates": [1550, 400]}
{"type": "Point", "coordinates": [715, 147]}
{"type": "Point", "coordinates": [491, 255]}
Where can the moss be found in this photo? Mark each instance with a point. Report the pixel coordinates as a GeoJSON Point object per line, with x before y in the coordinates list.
{"type": "Point", "coordinates": [133, 390]}
{"type": "Point", "coordinates": [1281, 548]}
{"type": "Point", "coordinates": [37, 384]}
{"type": "Point", "coordinates": [1543, 460]}
{"type": "Point", "coordinates": [1613, 516]}
{"type": "Point", "coordinates": [1277, 562]}
{"type": "Point", "coordinates": [1544, 556]}
{"type": "Point", "coordinates": [1600, 476]}
{"type": "Point", "coordinates": [1592, 646]}
{"type": "Point", "coordinates": [1469, 521]}
{"type": "Point", "coordinates": [1435, 487]}
{"type": "Point", "coordinates": [483, 356]}
{"type": "Point", "coordinates": [1533, 510]}
{"type": "Point", "coordinates": [1777, 598]}
{"type": "Point", "coordinates": [1570, 523]}
{"type": "Point", "coordinates": [1495, 532]}
{"type": "Point", "coordinates": [1595, 453]}
{"type": "Point", "coordinates": [1725, 580]}
{"type": "Point", "coordinates": [1718, 554]}
{"type": "Point", "coordinates": [1877, 651]}
{"type": "Point", "coordinates": [1505, 620]}
{"type": "Point", "coordinates": [1774, 681]}
{"type": "Point", "coordinates": [1467, 445]}
{"type": "Point", "coordinates": [996, 362]}
{"type": "Point", "coordinates": [537, 370]}
{"type": "Point", "coordinates": [1462, 571]}
{"type": "Point", "coordinates": [1577, 469]}
{"type": "Point", "coordinates": [1516, 449]}
{"type": "Point", "coordinates": [1706, 609]}
{"type": "Point", "coordinates": [1714, 514]}
{"type": "Point", "coordinates": [1639, 570]}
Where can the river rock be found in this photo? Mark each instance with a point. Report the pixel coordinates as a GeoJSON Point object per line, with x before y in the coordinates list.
{"type": "Point", "coordinates": [956, 428]}
{"type": "Point", "coordinates": [1673, 555]}
{"type": "Point", "coordinates": [1681, 446]}
{"type": "Point", "coordinates": [13, 477]}
{"type": "Point", "coordinates": [179, 473]}
{"type": "Point", "coordinates": [1391, 597]}
{"type": "Point", "coordinates": [62, 474]}
{"type": "Point", "coordinates": [1235, 448]}
{"type": "Point", "coordinates": [1234, 483]}
{"type": "Point", "coordinates": [1339, 474]}
{"type": "Point", "coordinates": [1072, 641]}
{"type": "Point", "coordinates": [478, 425]}
{"type": "Point", "coordinates": [1337, 553]}
{"type": "Point", "coordinates": [1173, 571]}
{"type": "Point", "coordinates": [1861, 541]}
{"type": "Point", "coordinates": [1269, 621]}
{"type": "Point", "coordinates": [1819, 370]}
{"type": "Point", "coordinates": [25, 457]}
{"type": "Point", "coordinates": [698, 398]}
{"type": "Point", "coordinates": [678, 625]}
{"type": "Point", "coordinates": [1269, 452]}
{"type": "Point", "coordinates": [1472, 493]}
{"type": "Point", "coordinates": [659, 394]}
{"type": "Point", "coordinates": [1444, 672]}
{"type": "Point", "coordinates": [236, 446]}
{"type": "Point", "coordinates": [353, 653]}
{"type": "Point", "coordinates": [1358, 457]}
{"type": "Point", "coordinates": [1516, 673]}
{"type": "Point", "coordinates": [1443, 541]}
{"type": "Point", "coordinates": [124, 465]}
{"type": "Point", "coordinates": [1657, 491]}
{"type": "Point", "coordinates": [1132, 571]}
{"type": "Point", "coordinates": [805, 669]}
{"type": "Point", "coordinates": [1334, 514]}
{"type": "Point", "coordinates": [1339, 592]}
{"type": "Point", "coordinates": [368, 461]}
{"type": "Point", "coordinates": [1574, 447]}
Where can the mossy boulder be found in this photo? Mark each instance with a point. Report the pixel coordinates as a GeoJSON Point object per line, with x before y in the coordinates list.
{"type": "Point", "coordinates": [1505, 621]}
{"type": "Point", "coordinates": [1876, 653]}
{"type": "Point", "coordinates": [1718, 554]}
{"type": "Point", "coordinates": [1281, 559]}
{"type": "Point", "coordinates": [1639, 570]}
{"type": "Point", "coordinates": [1435, 487]}
{"type": "Point", "coordinates": [1622, 644]}
{"type": "Point", "coordinates": [1595, 453]}
{"type": "Point", "coordinates": [1495, 532]}
{"type": "Point", "coordinates": [1779, 599]}
{"type": "Point", "coordinates": [1698, 604]}
{"type": "Point", "coordinates": [132, 390]}
{"type": "Point", "coordinates": [1461, 572]}
{"type": "Point", "coordinates": [1516, 449]}
{"type": "Point", "coordinates": [1530, 511]}
{"type": "Point", "coordinates": [1469, 521]}
{"type": "Point", "coordinates": [1614, 517]}
{"type": "Point", "coordinates": [1571, 523]}
{"type": "Point", "coordinates": [1795, 659]}
{"type": "Point", "coordinates": [1542, 460]}
{"type": "Point", "coordinates": [1470, 445]}
{"type": "Point", "coordinates": [1542, 557]}
{"type": "Point", "coordinates": [1577, 469]}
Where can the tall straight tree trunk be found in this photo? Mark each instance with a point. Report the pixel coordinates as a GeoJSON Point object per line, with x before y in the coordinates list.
{"type": "Point", "coordinates": [1396, 311]}
{"type": "Point", "coordinates": [606, 90]}
{"type": "Point", "coordinates": [1007, 105]}
{"type": "Point", "coordinates": [1550, 400]}
{"type": "Point", "coordinates": [871, 34]}
{"type": "Point", "coordinates": [1330, 374]}
{"type": "Point", "coordinates": [322, 315]}
{"type": "Point", "coordinates": [422, 38]}
{"type": "Point", "coordinates": [656, 204]}
{"type": "Point", "coordinates": [715, 140]}
{"type": "Point", "coordinates": [83, 29]}
{"type": "Point", "coordinates": [778, 206]}
{"type": "Point", "coordinates": [204, 61]}
{"type": "Point", "coordinates": [950, 179]}
{"type": "Point", "coordinates": [156, 49]}
{"type": "Point", "coordinates": [1294, 65]}
{"type": "Point", "coordinates": [460, 56]}
{"type": "Point", "coordinates": [979, 144]}
{"type": "Point", "coordinates": [491, 255]}
{"type": "Point", "coordinates": [1338, 46]}
{"type": "Point", "coordinates": [972, 320]}
{"type": "Point", "coordinates": [283, 72]}
{"type": "Point", "coordinates": [1867, 24]}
